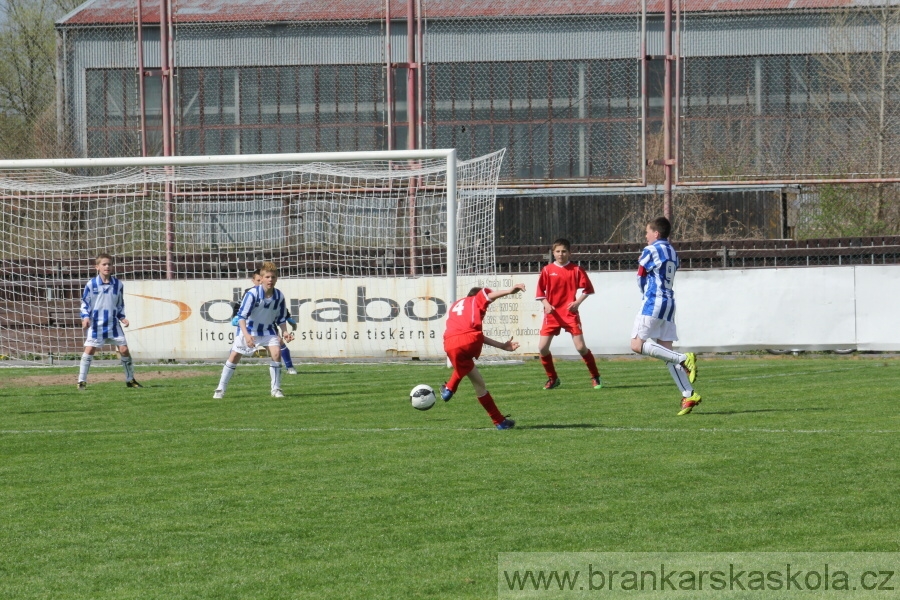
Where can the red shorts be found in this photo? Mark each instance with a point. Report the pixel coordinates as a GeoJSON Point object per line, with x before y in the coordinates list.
{"type": "Point", "coordinates": [463, 357]}
{"type": "Point", "coordinates": [556, 321]}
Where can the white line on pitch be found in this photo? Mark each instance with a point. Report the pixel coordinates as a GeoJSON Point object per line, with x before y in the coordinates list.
{"type": "Point", "coordinates": [523, 427]}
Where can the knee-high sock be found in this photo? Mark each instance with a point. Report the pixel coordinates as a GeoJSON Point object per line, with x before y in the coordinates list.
{"type": "Point", "coordinates": [488, 403]}
{"type": "Point", "coordinates": [286, 356]}
{"type": "Point", "coordinates": [128, 365]}
{"type": "Point", "coordinates": [275, 374]}
{"type": "Point", "coordinates": [591, 363]}
{"type": "Point", "coordinates": [227, 372]}
{"type": "Point", "coordinates": [681, 379]}
{"type": "Point", "coordinates": [657, 351]}
{"type": "Point", "coordinates": [549, 368]}
{"type": "Point", "coordinates": [86, 360]}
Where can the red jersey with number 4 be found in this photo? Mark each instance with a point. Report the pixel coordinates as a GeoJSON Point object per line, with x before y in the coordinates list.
{"type": "Point", "coordinates": [559, 284]}
{"type": "Point", "coordinates": [464, 320]}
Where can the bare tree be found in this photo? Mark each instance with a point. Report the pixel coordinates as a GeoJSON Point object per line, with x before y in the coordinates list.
{"type": "Point", "coordinates": [27, 73]}
{"type": "Point", "coordinates": [862, 67]}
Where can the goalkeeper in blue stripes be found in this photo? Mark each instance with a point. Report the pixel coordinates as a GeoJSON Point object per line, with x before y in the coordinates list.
{"type": "Point", "coordinates": [103, 320]}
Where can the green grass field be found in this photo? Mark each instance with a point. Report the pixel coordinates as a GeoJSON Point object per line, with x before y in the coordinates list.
{"type": "Point", "coordinates": [342, 490]}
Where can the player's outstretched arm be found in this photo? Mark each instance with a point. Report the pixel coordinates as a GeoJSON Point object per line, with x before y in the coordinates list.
{"type": "Point", "coordinates": [519, 287]}
{"type": "Point", "coordinates": [509, 345]}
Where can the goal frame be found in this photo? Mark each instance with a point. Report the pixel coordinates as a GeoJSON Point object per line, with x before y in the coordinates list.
{"type": "Point", "coordinates": [448, 154]}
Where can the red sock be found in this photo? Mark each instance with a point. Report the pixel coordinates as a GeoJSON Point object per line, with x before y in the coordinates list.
{"type": "Point", "coordinates": [488, 403]}
{"type": "Point", "coordinates": [453, 382]}
{"type": "Point", "coordinates": [591, 364]}
{"type": "Point", "coordinates": [547, 361]}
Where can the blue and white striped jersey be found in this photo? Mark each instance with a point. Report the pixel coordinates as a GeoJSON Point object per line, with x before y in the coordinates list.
{"type": "Point", "coordinates": [656, 275]}
{"type": "Point", "coordinates": [104, 305]}
{"type": "Point", "coordinates": [263, 315]}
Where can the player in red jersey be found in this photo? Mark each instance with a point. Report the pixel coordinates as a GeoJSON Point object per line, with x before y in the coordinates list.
{"type": "Point", "coordinates": [463, 341]}
{"type": "Point", "coordinates": [557, 289]}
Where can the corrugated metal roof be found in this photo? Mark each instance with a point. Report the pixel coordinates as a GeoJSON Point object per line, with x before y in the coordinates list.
{"type": "Point", "coordinates": [100, 12]}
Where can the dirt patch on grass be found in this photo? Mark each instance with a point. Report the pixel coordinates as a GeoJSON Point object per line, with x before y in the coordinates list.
{"type": "Point", "coordinates": [97, 376]}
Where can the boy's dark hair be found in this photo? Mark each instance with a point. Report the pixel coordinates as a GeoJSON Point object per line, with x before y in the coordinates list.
{"type": "Point", "coordinates": [474, 291]}
{"type": "Point", "coordinates": [662, 226]}
{"type": "Point", "coordinates": [561, 242]}
{"type": "Point", "coordinates": [101, 256]}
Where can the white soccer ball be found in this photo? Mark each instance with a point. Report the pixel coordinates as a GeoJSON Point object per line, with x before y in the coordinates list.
{"type": "Point", "coordinates": [422, 397]}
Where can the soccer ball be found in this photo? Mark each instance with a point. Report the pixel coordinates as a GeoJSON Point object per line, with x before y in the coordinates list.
{"type": "Point", "coordinates": [422, 397]}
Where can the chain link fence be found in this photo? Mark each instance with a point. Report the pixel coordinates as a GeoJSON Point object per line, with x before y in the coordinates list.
{"type": "Point", "coordinates": [560, 92]}
{"type": "Point", "coordinates": [807, 96]}
{"type": "Point", "coordinates": [793, 95]}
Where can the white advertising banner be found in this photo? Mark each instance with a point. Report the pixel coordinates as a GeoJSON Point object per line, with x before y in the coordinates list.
{"type": "Point", "coordinates": [816, 308]}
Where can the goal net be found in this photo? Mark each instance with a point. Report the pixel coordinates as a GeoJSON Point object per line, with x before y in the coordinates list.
{"type": "Point", "coordinates": [371, 248]}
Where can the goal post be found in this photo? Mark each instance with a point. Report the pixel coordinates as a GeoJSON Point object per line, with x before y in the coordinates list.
{"type": "Point", "coordinates": [372, 247]}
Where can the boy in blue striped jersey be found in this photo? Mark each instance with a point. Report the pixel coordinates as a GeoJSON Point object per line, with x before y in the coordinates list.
{"type": "Point", "coordinates": [102, 312]}
{"type": "Point", "coordinates": [656, 275]}
{"type": "Point", "coordinates": [256, 278]}
{"type": "Point", "coordinates": [262, 312]}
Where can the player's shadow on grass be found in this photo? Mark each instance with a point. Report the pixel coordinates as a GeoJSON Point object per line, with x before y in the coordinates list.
{"type": "Point", "coordinates": [55, 410]}
{"type": "Point", "coordinates": [701, 412]}
{"type": "Point", "coordinates": [620, 386]}
{"type": "Point", "coordinates": [569, 426]}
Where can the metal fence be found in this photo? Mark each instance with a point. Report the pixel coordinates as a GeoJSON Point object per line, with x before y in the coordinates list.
{"type": "Point", "coordinates": [764, 92]}
{"type": "Point", "coordinates": [799, 95]}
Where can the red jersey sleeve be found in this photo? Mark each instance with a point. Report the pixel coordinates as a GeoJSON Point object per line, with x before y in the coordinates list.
{"type": "Point", "coordinates": [584, 282]}
{"type": "Point", "coordinates": [541, 291]}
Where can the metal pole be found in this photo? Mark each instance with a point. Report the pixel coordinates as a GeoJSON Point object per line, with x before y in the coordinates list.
{"type": "Point", "coordinates": [166, 130]}
{"type": "Point", "coordinates": [60, 96]}
{"type": "Point", "coordinates": [451, 227]}
{"type": "Point", "coordinates": [677, 141]}
{"type": "Point", "coordinates": [389, 76]}
{"type": "Point", "coordinates": [667, 113]}
{"type": "Point", "coordinates": [411, 66]}
{"type": "Point", "coordinates": [164, 68]}
{"type": "Point", "coordinates": [420, 77]}
{"type": "Point", "coordinates": [142, 95]}
{"type": "Point", "coordinates": [644, 98]}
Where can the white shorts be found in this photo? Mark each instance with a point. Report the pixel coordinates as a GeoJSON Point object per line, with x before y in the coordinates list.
{"type": "Point", "coordinates": [646, 327]}
{"type": "Point", "coordinates": [261, 341]}
{"type": "Point", "coordinates": [119, 340]}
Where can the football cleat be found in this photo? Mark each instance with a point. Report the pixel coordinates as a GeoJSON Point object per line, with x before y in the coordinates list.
{"type": "Point", "coordinates": [276, 393]}
{"type": "Point", "coordinates": [218, 394]}
{"type": "Point", "coordinates": [553, 382]}
{"type": "Point", "coordinates": [688, 404]}
{"type": "Point", "coordinates": [446, 393]}
{"type": "Point", "coordinates": [82, 385]}
{"type": "Point", "coordinates": [596, 383]}
{"type": "Point", "coordinates": [690, 365]}
{"type": "Point", "coordinates": [133, 383]}
{"type": "Point", "coordinates": [291, 371]}
{"type": "Point", "coordinates": [506, 424]}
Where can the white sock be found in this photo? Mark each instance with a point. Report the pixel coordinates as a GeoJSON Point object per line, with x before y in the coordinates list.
{"type": "Point", "coordinates": [275, 374]}
{"type": "Point", "coordinates": [681, 379]}
{"type": "Point", "coordinates": [656, 351]}
{"type": "Point", "coordinates": [86, 360]}
{"type": "Point", "coordinates": [128, 364]}
{"type": "Point", "coordinates": [227, 372]}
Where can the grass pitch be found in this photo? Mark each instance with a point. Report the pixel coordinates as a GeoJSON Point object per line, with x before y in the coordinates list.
{"type": "Point", "coordinates": [342, 490]}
